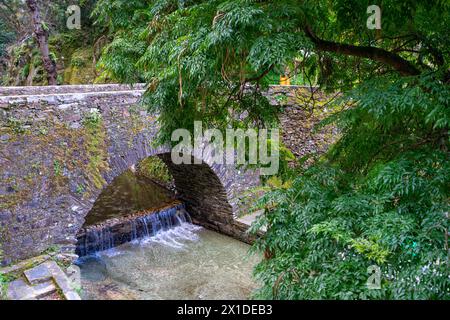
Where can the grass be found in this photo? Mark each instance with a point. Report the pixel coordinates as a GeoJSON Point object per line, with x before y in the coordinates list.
{"type": "Point", "coordinates": [4, 282]}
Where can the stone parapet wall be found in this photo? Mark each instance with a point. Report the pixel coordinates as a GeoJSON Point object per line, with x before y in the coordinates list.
{"type": "Point", "coordinates": [302, 109]}
{"type": "Point", "coordinates": [51, 90]}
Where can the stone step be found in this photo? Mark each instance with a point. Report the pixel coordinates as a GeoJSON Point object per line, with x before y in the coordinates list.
{"type": "Point", "coordinates": [44, 289]}
{"type": "Point", "coordinates": [38, 274]}
{"type": "Point", "coordinates": [20, 290]}
{"type": "Point", "coordinates": [250, 218]}
{"type": "Point", "coordinates": [62, 281]}
{"type": "Point", "coordinates": [23, 265]}
{"type": "Point", "coordinates": [42, 281]}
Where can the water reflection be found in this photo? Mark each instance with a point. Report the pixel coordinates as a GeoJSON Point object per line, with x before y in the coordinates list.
{"type": "Point", "coordinates": [127, 194]}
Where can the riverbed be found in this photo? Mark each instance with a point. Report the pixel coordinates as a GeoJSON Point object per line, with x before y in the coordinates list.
{"type": "Point", "coordinates": [185, 263]}
{"type": "Point", "coordinates": [165, 260]}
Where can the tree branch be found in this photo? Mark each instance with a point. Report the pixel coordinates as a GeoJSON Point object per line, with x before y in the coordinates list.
{"type": "Point", "coordinates": [380, 55]}
{"type": "Point", "coordinates": [262, 75]}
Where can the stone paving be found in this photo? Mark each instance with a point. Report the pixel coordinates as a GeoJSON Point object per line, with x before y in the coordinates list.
{"type": "Point", "coordinates": [40, 282]}
{"type": "Point", "coordinates": [20, 290]}
{"type": "Point", "coordinates": [250, 218]}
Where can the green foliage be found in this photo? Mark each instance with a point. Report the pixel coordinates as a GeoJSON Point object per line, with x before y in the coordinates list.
{"type": "Point", "coordinates": [195, 71]}
{"type": "Point", "coordinates": [379, 196]}
{"type": "Point", "coordinates": [16, 125]}
{"type": "Point", "coordinates": [77, 62]}
{"type": "Point", "coordinates": [80, 189]}
{"type": "Point", "coordinates": [16, 36]}
{"type": "Point", "coordinates": [6, 37]}
{"type": "Point", "coordinates": [93, 119]}
{"type": "Point", "coordinates": [3, 286]}
{"type": "Point", "coordinates": [155, 168]}
{"type": "Point", "coordinates": [57, 168]}
{"type": "Point", "coordinates": [4, 278]}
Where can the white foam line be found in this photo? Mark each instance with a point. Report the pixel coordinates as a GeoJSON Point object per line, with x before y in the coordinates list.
{"type": "Point", "coordinates": [171, 238]}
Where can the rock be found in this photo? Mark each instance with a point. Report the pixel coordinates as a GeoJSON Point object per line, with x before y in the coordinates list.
{"type": "Point", "coordinates": [20, 290]}
{"type": "Point", "coordinates": [43, 289]}
{"type": "Point", "coordinates": [62, 281]}
{"type": "Point", "coordinates": [68, 258]}
{"type": "Point", "coordinates": [75, 125]}
{"type": "Point", "coordinates": [38, 274]}
{"type": "Point", "coordinates": [72, 295]}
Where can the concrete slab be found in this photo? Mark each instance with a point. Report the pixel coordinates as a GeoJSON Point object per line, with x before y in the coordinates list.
{"type": "Point", "coordinates": [43, 280]}
{"type": "Point", "coordinates": [62, 281]}
{"type": "Point", "coordinates": [44, 289]}
{"type": "Point", "coordinates": [72, 295]}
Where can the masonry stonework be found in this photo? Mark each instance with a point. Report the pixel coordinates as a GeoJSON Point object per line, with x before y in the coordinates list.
{"type": "Point", "coordinates": [60, 146]}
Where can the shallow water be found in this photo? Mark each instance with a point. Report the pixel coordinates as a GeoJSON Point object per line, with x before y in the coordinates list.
{"type": "Point", "coordinates": [188, 262]}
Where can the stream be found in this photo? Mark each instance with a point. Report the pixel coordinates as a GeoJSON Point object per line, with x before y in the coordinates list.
{"type": "Point", "coordinates": [174, 259]}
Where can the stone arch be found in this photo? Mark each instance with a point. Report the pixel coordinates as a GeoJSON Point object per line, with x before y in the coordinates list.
{"type": "Point", "coordinates": [201, 187]}
{"type": "Point", "coordinates": [50, 210]}
{"type": "Point", "coordinates": [210, 193]}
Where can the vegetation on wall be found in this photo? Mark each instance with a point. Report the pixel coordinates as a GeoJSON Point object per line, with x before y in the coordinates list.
{"type": "Point", "coordinates": [96, 148]}
{"type": "Point", "coordinates": [155, 169]}
{"type": "Point", "coordinates": [3, 285]}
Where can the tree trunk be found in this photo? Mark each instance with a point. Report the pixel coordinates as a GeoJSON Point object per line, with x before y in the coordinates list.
{"type": "Point", "coordinates": [41, 35]}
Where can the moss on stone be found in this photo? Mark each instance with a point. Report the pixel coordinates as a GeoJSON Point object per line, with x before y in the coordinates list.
{"type": "Point", "coordinates": [81, 69]}
{"type": "Point", "coordinates": [97, 152]}
{"type": "Point", "coordinates": [154, 168]}
{"type": "Point", "coordinates": [82, 151]}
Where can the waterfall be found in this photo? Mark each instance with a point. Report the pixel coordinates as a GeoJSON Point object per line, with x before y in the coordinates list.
{"type": "Point", "coordinates": [167, 226]}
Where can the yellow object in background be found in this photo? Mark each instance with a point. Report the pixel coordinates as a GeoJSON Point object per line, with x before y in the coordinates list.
{"type": "Point", "coordinates": [285, 81]}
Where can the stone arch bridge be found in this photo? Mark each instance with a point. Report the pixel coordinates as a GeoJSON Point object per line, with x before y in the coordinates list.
{"type": "Point", "coordinates": [56, 156]}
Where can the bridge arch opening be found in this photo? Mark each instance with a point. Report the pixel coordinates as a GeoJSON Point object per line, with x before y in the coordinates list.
{"type": "Point", "coordinates": [152, 195]}
{"type": "Point", "coordinates": [178, 261]}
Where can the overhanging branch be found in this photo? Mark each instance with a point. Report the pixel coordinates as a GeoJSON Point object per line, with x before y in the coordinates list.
{"type": "Point", "coordinates": [380, 55]}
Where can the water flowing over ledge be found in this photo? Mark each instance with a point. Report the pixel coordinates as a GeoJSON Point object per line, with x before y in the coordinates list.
{"type": "Point", "coordinates": [155, 225]}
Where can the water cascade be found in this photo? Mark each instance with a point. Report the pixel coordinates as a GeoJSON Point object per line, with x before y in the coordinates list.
{"type": "Point", "coordinates": [165, 226]}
